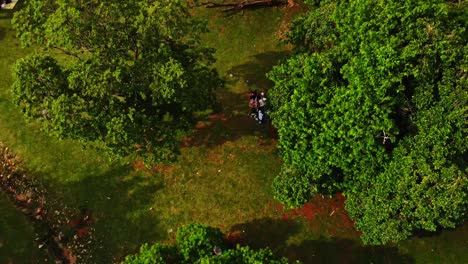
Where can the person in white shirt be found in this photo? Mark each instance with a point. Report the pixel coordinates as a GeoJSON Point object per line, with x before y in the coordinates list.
{"type": "Point", "coordinates": [261, 107]}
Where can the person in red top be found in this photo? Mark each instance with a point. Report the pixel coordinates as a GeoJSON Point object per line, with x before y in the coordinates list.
{"type": "Point", "coordinates": [253, 104]}
{"type": "Point", "coordinates": [261, 107]}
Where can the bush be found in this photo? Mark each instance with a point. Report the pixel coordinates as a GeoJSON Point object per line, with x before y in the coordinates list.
{"type": "Point", "coordinates": [196, 244]}
{"type": "Point", "coordinates": [156, 254]}
{"type": "Point", "coordinates": [196, 241]}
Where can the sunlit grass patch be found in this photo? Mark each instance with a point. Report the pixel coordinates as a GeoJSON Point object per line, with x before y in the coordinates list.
{"type": "Point", "coordinates": [219, 185]}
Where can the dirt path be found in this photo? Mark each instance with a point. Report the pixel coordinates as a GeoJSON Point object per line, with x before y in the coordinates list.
{"type": "Point", "coordinates": [63, 232]}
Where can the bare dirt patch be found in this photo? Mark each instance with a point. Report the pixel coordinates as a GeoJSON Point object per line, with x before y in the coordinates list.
{"type": "Point", "coordinates": [324, 215]}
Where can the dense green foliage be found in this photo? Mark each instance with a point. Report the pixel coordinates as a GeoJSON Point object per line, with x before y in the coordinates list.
{"type": "Point", "coordinates": [196, 241]}
{"type": "Point", "coordinates": [157, 254]}
{"type": "Point", "coordinates": [133, 74]}
{"type": "Point", "coordinates": [374, 104]}
{"type": "Point", "coordinates": [196, 244]}
{"type": "Point", "coordinates": [245, 255]}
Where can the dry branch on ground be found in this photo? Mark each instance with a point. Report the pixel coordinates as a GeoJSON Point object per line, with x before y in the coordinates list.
{"type": "Point", "coordinates": [234, 6]}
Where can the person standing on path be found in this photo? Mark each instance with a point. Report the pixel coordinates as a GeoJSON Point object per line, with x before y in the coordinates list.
{"type": "Point", "coordinates": [261, 107]}
{"type": "Point", "coordinates": [253, 104]}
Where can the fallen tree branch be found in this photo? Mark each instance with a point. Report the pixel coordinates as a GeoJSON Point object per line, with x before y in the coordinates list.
{"type": "Point", "coordinates": [235, 6]}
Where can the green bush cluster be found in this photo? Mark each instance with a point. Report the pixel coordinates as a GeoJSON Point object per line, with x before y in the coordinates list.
{"type": "Point", "coordinates": [125, 77]}
{"type": "Point", "coordinates": [201, 244]}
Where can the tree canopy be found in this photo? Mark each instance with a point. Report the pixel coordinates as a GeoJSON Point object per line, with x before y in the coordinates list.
{"type": "Point", "coordinates": [127, 76]}
{"type": "Point", "coordinates": [196, 244]}
{"type": "Point", "coordinates": [374, 104]}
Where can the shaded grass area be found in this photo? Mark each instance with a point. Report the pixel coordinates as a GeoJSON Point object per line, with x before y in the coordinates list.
{"type": "Point", "coordinates": [118, 200]}
{"type": "Point", "coordinates": [444, 246]}
{"type": "Point", "coordinates": [83, 179]}
{"type": "Point", "coordinates": [222, 177]}
{"type": "Point", "coordinates": [246, 45]}
{"type": "Point", "coordinates": [17, 237]}
{"type": "Point", "coordinates": [291, 239]}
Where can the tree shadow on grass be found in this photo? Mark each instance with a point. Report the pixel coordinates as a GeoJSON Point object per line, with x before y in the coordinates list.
{"type": "Point", "coordinates": [17, 244]}
{"type": "Point", "coordinates": [254, 72]}
{"type": "Point", "coordinates": [231, 123]}
{"type": "Point", "coordinates": [119, 203]}
{"type": "Point", "coordinates": [344, 251]}
{"type": "Point", "coordinates": [267, 232]}
{"type": "Point", "coordinates": [275, 233]}
{"type": "Point", "coordinates": [4, 15]}
{"type": "Point", "coordinates": [461, 229]}
{"type": "Point", "coordinates": [2, 33]}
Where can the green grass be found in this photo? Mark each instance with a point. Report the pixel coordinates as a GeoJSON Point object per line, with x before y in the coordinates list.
{"type": "Point", "coordinates": [222, 177]}
{"type": "Point", "coordinates": [16, 234]}
{"type": "Point", "coordinates": [17, 237]}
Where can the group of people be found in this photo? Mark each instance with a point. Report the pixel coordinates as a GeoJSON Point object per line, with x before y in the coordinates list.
{"type": "Point", "coordinates": [257, 104]}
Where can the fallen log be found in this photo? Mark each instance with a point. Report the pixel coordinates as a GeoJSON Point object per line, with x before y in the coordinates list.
{"type": "Point", "coordinates": [237, 6]}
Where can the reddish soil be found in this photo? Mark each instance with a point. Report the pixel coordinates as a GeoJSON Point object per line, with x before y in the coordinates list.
{"type": "Point", "coordinates": [81, 223]}
{"type": "Point", "coordinates": [82, 232]}
{"type": "Point", "coordinates": [139, 166]}
{"type": "Point", "coordinates": [201, 125]}
{"type": "Point", "coordinates": [161, 168]}
{"type": "Point", "coordinates": [324, 214]}
{"type": "Point", "coordinates": [220, 116]}
{"type": "Point", "coordinates": [69, 255]}
{"type": "Point", "coordinates": [235, 238]}
{"type": "Point", "coordinates": [216, 158]}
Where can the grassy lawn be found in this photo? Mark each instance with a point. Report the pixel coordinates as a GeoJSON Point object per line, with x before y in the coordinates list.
{"type": "Point", "coordinates": [17, 237]}
{"type": "Point", "coordinates": [222, 177]}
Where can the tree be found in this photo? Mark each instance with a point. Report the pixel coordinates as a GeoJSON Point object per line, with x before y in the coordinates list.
{"type": "Point", "coordinates": [196, 241]}
{"type": "Point", "coordinates": [155, 254]}
{"type": "Point", "coordinates": [245, 255]}
{"type": "Point", "coordinates": [196, 244]}
{"type": "Point", "coordinates": [129, 76]}
{"type": "Point", "coordinates": [379, 95]}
